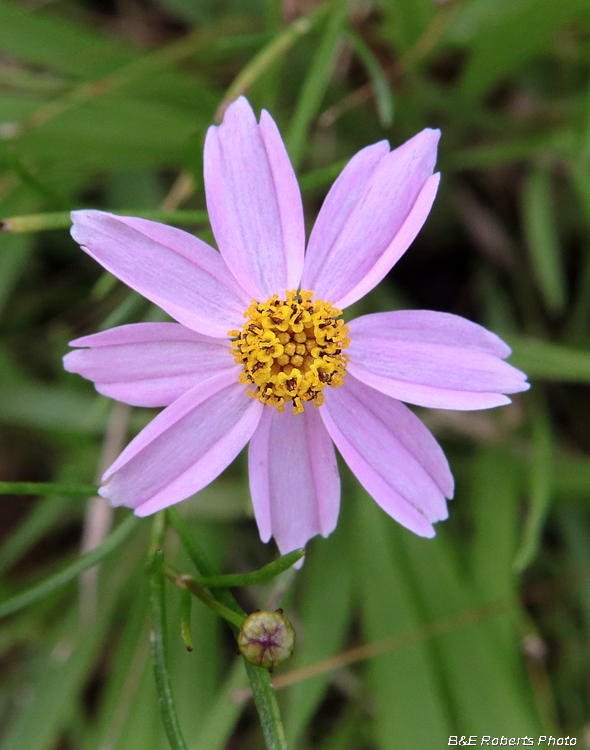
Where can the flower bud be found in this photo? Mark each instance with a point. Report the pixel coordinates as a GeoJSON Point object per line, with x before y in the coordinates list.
{"type": "Point", "coordinates": [266, 639]}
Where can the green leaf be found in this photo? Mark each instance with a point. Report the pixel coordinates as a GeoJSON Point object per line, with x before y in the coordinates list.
{"type": "Point", "coordinates": [325, 616]}
{"type": "Point", "coordinates": [224, 712]}
{"type": "Point", "coordinates": [540, 226]}
{"type": "Point", "coordinates": [316, 82]}
{"type": "Point", "coordinates": [571, 477]}
{"type": "Point", "coordinates": [406, 21]}
{"type": "Point", "coordinates": [520, 31]}
{"type": "Point", "coordinates": [502, 703]}
{"type": "Point", "coordinates": [62, 220]}
{"type": "Point", "coordinates": [540, 488]}
{"type": "Point", "coordinates": [544, 360]}
{"type": "Point", "coordinates": [269, 55]}
{"type": "Point", "coordinates": [70, 48]}
{"type": "Point", "coordinates": [495, 495]}
{"type": "Point", "coordinates": [158, 638]}
{"type": "Point", "coordinates": [411, 704]}
{"type": "Point", "coordinates": [48, 488]}
{"type": "Point", "coordinates": [381, 87]}
{"type": "Point", "coordinates": [68, 661]}
{"type": "Point", "coordinates": [49, 585]}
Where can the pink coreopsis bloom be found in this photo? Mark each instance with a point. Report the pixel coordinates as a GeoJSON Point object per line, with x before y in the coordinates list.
{"type": "Point", "coordinates": [260, 337]}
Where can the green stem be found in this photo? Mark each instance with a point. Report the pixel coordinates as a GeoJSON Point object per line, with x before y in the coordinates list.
{"type": "Point", "coordinates": [267, 573]}
{"type": "Point", "coordinates": [158, 638]}
{"type": "Point", "coordinates": [60, 579]}
{"type": "Point", "coordinates": [316, 83]}
{"type": "Point", "coordinates": [262, 689]}
{"type": "Point", "coordinates": [47, 488]}
{"type": "Point", "coordinates": [192, 546]}
{"type": "Point", "coordinates": [231, 580]}
{"type": "Point", "coordinates": [267, 56]}
{"type": "Point", "coordinates": [540, 482]}
{"type": "Point", "coordinates": [267, 706]}
{"type": "Point", "coordinates": [185, 620]}
{"type": "Point", "coordinates": [62, 220]}
{"type": "Point", "coordinates": [202, 593]}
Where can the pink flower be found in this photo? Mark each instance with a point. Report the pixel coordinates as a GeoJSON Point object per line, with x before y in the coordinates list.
{"type": "Point", "coordinates": [288, 348]}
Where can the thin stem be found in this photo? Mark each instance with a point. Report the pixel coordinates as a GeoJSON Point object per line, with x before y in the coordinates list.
{"type": "Point", "coordinates": [62, 220]}
{"type": "Point", "coordinates": [192, 546]}
{"type": "Point", "coordinates": [540, 482]}
{"type": "Point", "coordinates": [185, 620]}
{"type": "Point", "coordinates": [316, 82]}
{"type": "Point", "coordinates": [267, 573]}
{"type": "Point", "coordinates": [158, 638]}
{"type": "Point", "coordinates": [262, 689]}
{"type": "Point", "coordinates": [60, 579]}
{"type": "Point", "coordinates": [267, 707]}
{"type": "Point", "coordinates": [47, 488]}
{"type": "Point", "coordinates": [267, 57]}
{"type": "Point", "coordinates": [202, 593]}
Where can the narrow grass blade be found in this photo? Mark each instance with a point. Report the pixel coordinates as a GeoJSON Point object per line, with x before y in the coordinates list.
{"type": "Point", "coordinates": [60, 579]}
{"type": "Point", "coordinates": [542, 238]}
{"type": "Point", "coordinates": [381, 87]}
{"type": "Point", "coordinates": [269, 55]}
{"type": "Point", "coordinates": [38, 521]}
{"type": "Point", "coordinates": [540, 482]}
{"type": "Point", "coordinates": [62, 220]}
{"type": "Point", "coordinates": [158, 636]}
{"type": "Point", "coordinates": [47, 488]}
{"type": "Point", "coordinates": [326, 608]}
{"type": "Point", "coordinates": [186, 603]}
{"type": "Point", "coordinates": [262, 689]}
{"type": "Point", "coordinates": [267, 573]}
{"type": "Point", "coordinates": [223, 713]}
{"type": "Point", "coordinates": [316, 83]}
{"type": "Point", "coordinates": [544, 360]}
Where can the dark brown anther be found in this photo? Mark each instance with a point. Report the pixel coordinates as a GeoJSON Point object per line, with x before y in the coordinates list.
{"type": "Point", "coordinates": [291, 384]}
{"type": "Point", "coordinates": [257, 366]}
{"type": "Point", "coordinates": [279, 611]}
{"type": "Point", "coordinates": [275, 319]}
{"type": "Point", "coordinates": [323, 376]}
{"type": "Point", "coordinates": [327, 323]}
{"type": "Point", "coordinates": [298, 318]}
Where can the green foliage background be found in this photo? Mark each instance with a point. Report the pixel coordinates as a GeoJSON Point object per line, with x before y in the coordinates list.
{"type": "Point", "coordinates": [488, 625]}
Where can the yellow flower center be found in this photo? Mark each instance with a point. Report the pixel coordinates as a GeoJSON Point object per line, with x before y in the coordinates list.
{"type": "Point", "coordinates": [291, 350]}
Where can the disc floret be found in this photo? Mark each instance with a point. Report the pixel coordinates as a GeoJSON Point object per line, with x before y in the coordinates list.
{"type": "Point", "coordinates": [291, 349]}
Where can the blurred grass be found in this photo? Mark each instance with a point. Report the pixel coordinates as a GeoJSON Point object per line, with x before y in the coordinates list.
{"type": "Point", "coordinates": [107, 105]}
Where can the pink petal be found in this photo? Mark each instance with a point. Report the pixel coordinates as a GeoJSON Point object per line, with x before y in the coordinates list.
{"type": "Point", "coordinates": [370, 217]}
{"type": "Point", "coordinates": [254, 202]}
{"type": "Point", "coordinates": [393, 455]}
{"type": "Point", "coordinates": [149, 364]}
{"type": "Point", "coordinates": [294, 478]}
{"type": "Point", "coordinates": [432, 359]}
{"type": "Point", "coordinates": [175, 270]}
{"type": "Point", "coordinates": [184, 448]}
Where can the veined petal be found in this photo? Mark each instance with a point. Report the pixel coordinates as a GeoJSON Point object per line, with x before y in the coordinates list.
{"type": "Point", "coordinates": [178, 272]}
{"type": "Point", "coordinates": [294, 479]}
{"type": "Point", "coordinates": [184, 448]}
{"type": "Point", "coordinates": [254, 202]}
{"type": "Point", "coordinates": [370, 217]}
{"type": "Point", "coordinates": [149, 364]}
{"type": "Point", "coordinates": [393, 455]}
{"type": "Point", "coordinates": [432, 359]}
